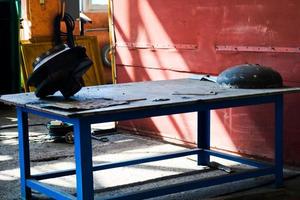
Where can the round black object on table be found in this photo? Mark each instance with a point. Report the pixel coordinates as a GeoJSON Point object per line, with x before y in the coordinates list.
{"type": "Point", "coordinates": [60, 70]}
{"type": "Point", "coordinates": [250, 76]}
{"type": "Point", "coordinates": [62, 67]}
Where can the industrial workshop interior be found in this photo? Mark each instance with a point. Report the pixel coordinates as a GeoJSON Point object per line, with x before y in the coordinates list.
{"type": "Point", "coordinates": [150, 99]}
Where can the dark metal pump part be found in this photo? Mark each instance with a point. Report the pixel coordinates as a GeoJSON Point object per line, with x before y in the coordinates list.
{"type": "Point", "coordinates": [250, 76]}
{"type": "Point", "coordinates": [60, 71]}
{"type": "Point", "coordinates": [62, 67]}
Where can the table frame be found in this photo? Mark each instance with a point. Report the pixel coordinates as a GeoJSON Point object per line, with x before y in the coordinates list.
{"type": "Point", "coordinates": [83, 149]}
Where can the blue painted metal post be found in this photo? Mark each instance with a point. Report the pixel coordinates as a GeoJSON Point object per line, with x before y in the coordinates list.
{"type": "Point", "coordinates": [203, 137]}
{"type": "Point", "coordinates": [279, 141]}
{"type": "Point", "coordinates": [83, 159]}
{"type": "Point", "coordinates": [24, 156]}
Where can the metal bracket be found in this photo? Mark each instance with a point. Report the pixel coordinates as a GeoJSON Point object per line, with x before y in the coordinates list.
{"type": "Point", "coordinates": [257, 49]}
{"type": "Point", "coordinates": [138, 45]}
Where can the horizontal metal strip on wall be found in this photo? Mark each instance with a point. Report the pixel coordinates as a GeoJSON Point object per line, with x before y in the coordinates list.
{"type": "Point", "coordinates": [257, 49]}
{"type": "Point", "coordinates": [132, 45]}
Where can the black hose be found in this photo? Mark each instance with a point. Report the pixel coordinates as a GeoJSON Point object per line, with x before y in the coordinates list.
{"type": "Point", "coordinates": [70, 25]}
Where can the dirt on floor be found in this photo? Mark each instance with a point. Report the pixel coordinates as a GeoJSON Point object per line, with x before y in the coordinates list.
{"type": "Point", "coordinates": [48, 154]}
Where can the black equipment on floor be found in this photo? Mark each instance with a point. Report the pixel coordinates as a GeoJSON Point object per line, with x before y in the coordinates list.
{"type": "Point", "coordinates": [61, 131]}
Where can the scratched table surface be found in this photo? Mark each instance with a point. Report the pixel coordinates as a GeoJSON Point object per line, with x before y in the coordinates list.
{"type": "Point", "coordinates": [136, 96]}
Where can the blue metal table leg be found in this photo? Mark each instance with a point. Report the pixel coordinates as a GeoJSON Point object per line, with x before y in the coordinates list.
{"type": "Point", "coordinates": [279, 141]}
{"type": "Point", "coordinates": [203, 137]}
{"type": "Point", "coordinates": [83, 159]}
{"type": "Point", "coordinates": [24, 156]}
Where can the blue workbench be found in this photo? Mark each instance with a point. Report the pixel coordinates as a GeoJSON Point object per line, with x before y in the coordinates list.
{"type": "Point", "coordinates": [140, 100]}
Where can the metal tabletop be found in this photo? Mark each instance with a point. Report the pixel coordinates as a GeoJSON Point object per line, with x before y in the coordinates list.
{"type": "Point", "coordinates": [118, 98]}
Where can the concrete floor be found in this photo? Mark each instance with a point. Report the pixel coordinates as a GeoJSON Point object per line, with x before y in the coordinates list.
{"type": "Point", "coordinates": [47, 155]}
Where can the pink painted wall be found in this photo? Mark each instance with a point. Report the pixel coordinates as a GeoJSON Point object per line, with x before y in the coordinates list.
{"type": "Point", "coordinates": [173, 39]}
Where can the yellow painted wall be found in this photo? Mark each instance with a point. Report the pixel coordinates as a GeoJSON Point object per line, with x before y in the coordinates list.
{"type": "Point", "coordinates": [39, 18]}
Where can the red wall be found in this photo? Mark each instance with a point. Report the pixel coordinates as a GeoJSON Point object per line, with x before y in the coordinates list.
{"type": "Point", "coordinates": [172, 39]}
